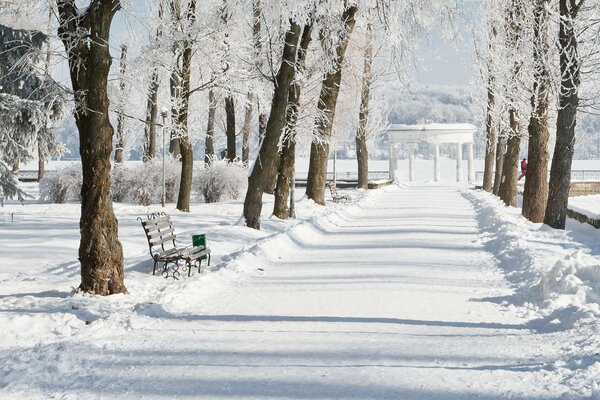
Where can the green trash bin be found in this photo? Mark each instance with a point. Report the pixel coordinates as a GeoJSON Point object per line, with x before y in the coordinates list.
{"type": "Point", "coordinates": [200, 240]}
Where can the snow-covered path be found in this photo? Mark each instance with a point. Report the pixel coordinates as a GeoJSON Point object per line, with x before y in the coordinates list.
{"type": "Point", "coordinates": [396, 299]}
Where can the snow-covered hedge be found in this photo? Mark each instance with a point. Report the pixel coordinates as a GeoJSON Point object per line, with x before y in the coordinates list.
{"type": "Point", "coordinates": [222, 180]}
{"type": "Point", "coordinates": [62, 185]}
{"type": "Point", "coordinates": [142, 183]}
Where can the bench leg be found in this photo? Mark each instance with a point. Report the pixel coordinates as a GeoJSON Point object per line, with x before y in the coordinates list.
{"type": "Point", "coordinates": [155, 265]}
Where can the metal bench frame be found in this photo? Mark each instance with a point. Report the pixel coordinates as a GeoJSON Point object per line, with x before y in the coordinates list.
{"type": "Point", "coordinates": [161, 237]}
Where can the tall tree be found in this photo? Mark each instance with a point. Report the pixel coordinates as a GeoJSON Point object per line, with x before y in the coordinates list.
{"type": "Point", "coordinates": [85, 33]}
{"type": "Point", "coordinates": [490, 124]}
{"type": "Point", "coordinates": [120, 147]}
{"type": "Point", "coordinates": [265, 167]}
{"type": "Point", "coordinates": [152, 103]}
{"type": "Point", "coordinates": [362, 152]}
{"type": "Point", "coordinates": [230, 132]}
{"type": "Point", "coordinates": [185, 144]}
{"type": "Point", "coordinates": [536, 180]}
{"type": "Point", "coordinates": [568, 102]}
{"type": "Point", "coordinates": [510, 169]}
{"type": "Point", "coordinates": [330, 88]}
{"type": "Point", "coordinates": [287, 163]}
{"type": "Point", "coordinates": [209, 147]}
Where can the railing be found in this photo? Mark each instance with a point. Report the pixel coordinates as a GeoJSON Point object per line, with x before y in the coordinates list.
{"type": "Point", "coordinates": [576, 175]}
{"type": "Point", "coordinates": [347, 175]}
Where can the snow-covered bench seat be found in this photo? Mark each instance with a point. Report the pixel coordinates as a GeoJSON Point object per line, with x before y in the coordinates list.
{"type": "Point", "coordinates": [164, 249]}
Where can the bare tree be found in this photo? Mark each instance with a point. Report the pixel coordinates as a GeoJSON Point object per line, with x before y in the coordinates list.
{"type": "Point", "coordinates": [536, 181]}
{"type": "Point", "coordinates": [85, 35]}
{"type": "Point", "coordinates": [265, 167]}
{"type": "Point", "coordinates": [287, 162]}
{"type": "Point", "coordinates": [568, 102]}
{"type": "Point", "coordinates": [319, 151]}
{"type": "Point", "coordinates": [209, 147]}
{"type": "Point", "coordinates": [120, 147]}
{"type": "Point", "coordinates": [362, 152]}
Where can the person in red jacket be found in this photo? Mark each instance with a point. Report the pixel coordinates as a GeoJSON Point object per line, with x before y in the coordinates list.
{"type": "Point", "coordinates": [523, 168]}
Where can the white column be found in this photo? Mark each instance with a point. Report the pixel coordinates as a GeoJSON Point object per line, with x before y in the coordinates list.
{"type": "Point", "coordinates": [471, 165]}
{"type": "Point", "coordinates": [459, 162]}
{"type": "Point", "coordinates": [411, 164]}
{"type": "Point", "coordinates": [436, 163]}
{"type": "Point", "coordinates": [393, 161]}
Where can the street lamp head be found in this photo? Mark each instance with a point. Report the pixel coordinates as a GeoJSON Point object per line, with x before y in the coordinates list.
{"type": "Point", "coordinates": [164, 112]}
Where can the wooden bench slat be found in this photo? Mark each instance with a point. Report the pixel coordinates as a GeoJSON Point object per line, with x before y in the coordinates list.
{"type": "Point", "coordinates": [152, 235]}
{"type": "Point", "coordinates": [162, 239]}
{"type": "Point", "coordinates": [160, 225]}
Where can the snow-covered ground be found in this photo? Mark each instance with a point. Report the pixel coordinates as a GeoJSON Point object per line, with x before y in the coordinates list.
{"type": "Point", "coordinates": [586, 205]}
{"type": "Point", "coordinates": [410, 292]}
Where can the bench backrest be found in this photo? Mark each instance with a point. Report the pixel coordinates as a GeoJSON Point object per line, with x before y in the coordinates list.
{"type": "Point", "coordinates": [159, 230]}
{"type": "Point", "coordinates": [333, 189]}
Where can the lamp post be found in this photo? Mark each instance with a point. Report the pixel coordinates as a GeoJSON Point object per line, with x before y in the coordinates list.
{"type": "Point", "coordinates": [163, 199]}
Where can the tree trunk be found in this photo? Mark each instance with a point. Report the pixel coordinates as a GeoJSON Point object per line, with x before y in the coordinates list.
{"type": "Point", "coordinates": [510, 167]}
{"type": "Point", "coordinates": [287, 162]}
{"type": "Point", "coordinates": [490, 148]}
{"type": "Point", "coordinates": [362, 152]}
{"type": "Point", "coordinates": [246, 129]}
{"type": "Point", "coordinates": [535, 195]}
{"type": "Point", "coordinates": [152, 106]}
{"type": "Point", "coordinates": [151, 118]}
{"type": "Point", "coordinates": [120, 117]}
{"type": "Point", "coordinates": [100, 251]}
{"type": "Point", "coordinates": [230, 129]}
{"type": "Point", "coordinates": [176, 99]}
{"type": "Point", "coordinates": [500, 150]}
{"type": "Point", "coordinates": [568, 99]}
{"type": "Point", "coordinates": [185, 145]}
{"type": "Point", "coordinates": [40, 143]}
{"type": "Point", "coordinates": [265, 166]}
{"type": "Point", "coordinates": [330, 88]}
{"type": "Point", "coordinates": [41, 164]}
{"type": "Point", "coordinates": [209, 146]}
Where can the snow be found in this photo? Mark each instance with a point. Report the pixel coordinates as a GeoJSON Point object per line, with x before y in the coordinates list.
{"type": "Point", "coordinates": [415, 291]}
{"type": "Point", "coordinates": [586, 205]}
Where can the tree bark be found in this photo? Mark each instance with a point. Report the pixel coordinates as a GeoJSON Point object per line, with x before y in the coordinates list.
{"type": "Point", "coordinates": [185, 145]}
{"type": "Point", "coordinates": [490, 126]}
{"type": "Point", "coordinates": [246, 129]}
{"type": "Point", "coordinates": [230, 128]}
{"type": "Point", "coordinates": [568, 99]}
{"type": "Point", "coordinates": [209, 146]}
{"type": "Point", "coordinates": [152, 107]}
{"type": "Point", "coordinates": [490, 148]}
{"type": "Point", "coordinates": [510, 166]}
{"type": "Point", "coordinates": [330, 88]}
{"type": "Point", "coordinates": [100, 251]}
{"type": "Point", "coordinates": [176, 99]}
{"type": "Point", "coordinates": [287, 162]}
{"type": "Point", "coordinates": [119, 150]}
{"type": "Point", "coordinates": [151, 118]}
{"type": "Point", "coordinates": [265, 166]}
{"type": "Point", "coordinates": [362, 152]}
{"type": "Point", "coordinates": [535, 195]}
{"type": "Point", "coordinates": [500, 150]}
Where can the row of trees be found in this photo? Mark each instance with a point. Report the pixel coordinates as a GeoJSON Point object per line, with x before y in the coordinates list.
{"type": "Point", "coordinates": [282, 62]}
{"type": "Point", "coordinates": [532, 65]}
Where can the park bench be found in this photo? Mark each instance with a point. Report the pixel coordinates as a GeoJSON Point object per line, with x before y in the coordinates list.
{"type": "Point", "coordinates": [344, 198]}
{"type": "Point", "coordinates": [164, 249]}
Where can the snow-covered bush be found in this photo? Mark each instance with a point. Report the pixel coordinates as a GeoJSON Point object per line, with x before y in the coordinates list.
{"type": "Point", "coordinates": [62, 185]}
{"type": "Point", "coordinates": [142, 183]}
{"type": "Point", "coordinates": [222, 180]}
